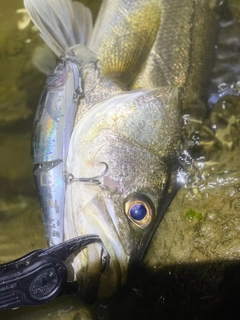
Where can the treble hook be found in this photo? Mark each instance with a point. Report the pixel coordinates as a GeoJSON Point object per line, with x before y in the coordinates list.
{"type": "Point", "coordinates": [81, 68]}
{"type": "Point", "coordinates": [70, 177]}
{"type": "Point", "coordinates": [88, 64]}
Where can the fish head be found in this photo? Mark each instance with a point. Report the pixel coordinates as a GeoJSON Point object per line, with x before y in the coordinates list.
{"type": "Point", "coordinates": [121, 156]}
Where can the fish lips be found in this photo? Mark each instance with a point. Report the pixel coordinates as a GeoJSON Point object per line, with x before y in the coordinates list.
{"type": "Point", "coordinates": [95, 264]}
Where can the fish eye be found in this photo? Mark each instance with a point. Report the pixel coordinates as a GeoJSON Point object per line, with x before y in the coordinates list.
{"type": "Point", "coordinates": [139, 210]}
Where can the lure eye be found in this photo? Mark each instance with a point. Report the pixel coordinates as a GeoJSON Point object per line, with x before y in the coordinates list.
{"type": "Point", "coordinates": [139, 211]}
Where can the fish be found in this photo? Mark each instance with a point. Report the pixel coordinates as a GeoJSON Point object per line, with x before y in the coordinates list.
{"type": "Point", "coordinates": [144, 96]}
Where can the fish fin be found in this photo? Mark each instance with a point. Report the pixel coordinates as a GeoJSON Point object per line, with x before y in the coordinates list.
{"type": "Point", "coordinates": [82, 22]}
{"type": "Point", "coordinates": [62, 23]}
{"type": "Point", "coordinates": [44, 59]}
{"type": "Point", "coordinates": [123, 36]}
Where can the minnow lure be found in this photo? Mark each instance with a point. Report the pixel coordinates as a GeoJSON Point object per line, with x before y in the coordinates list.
{"type": "Point", "coordinates": [58, 104]}
{"type": "Point", "coordinates": [52, 130]}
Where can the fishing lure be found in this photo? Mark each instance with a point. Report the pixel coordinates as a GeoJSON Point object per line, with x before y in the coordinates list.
{"type": "Point", "coordinates": [58, 103]}
{"type": "Point", "coordinates": [52, 130]}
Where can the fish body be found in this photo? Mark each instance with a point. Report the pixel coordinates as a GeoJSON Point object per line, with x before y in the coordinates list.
{"type": "Point", "coordinates": [182, 55]}
{"type": "Point", "coordinates": [164, 56]}
{"type": "Point", "coordinates": [153, 62]}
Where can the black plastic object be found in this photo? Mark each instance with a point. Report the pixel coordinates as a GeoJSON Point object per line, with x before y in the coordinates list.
{"type": "Point", "coordinates": [41, 275]}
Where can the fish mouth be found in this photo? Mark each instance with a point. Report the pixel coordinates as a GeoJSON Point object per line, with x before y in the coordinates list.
{"type": "Point", "coordinates": [99, 270]}
{"type": "Point", "coordinates": [89, 276]}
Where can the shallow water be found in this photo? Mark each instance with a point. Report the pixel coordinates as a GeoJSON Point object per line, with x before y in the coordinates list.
{"type": "Point", "coordinates": [175, 287]}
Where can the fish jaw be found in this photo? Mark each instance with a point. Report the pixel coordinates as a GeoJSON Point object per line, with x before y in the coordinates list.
{"type": "Point", "coordinates": [135, 134]}
{"type": "Point", "coordinates": [95, 214]}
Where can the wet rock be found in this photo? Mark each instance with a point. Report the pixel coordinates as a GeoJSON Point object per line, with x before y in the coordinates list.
{"type": "Point", "coordinates": [23, 228]}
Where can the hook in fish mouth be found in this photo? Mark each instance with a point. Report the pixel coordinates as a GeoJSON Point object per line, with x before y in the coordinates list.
{"type": "Point", "coordinates": [70, 178]}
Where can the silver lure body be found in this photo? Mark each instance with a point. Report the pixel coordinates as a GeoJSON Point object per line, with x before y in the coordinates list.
{"type": "Point", "coordinates": [52, 130]}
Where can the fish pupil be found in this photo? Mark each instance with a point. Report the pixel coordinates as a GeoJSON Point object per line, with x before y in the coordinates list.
{"type": "Point", "coordinates": [138, 211]}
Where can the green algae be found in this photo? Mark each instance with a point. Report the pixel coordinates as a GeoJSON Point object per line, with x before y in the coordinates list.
{"type": "Point", "coordinates": [192, 214]}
